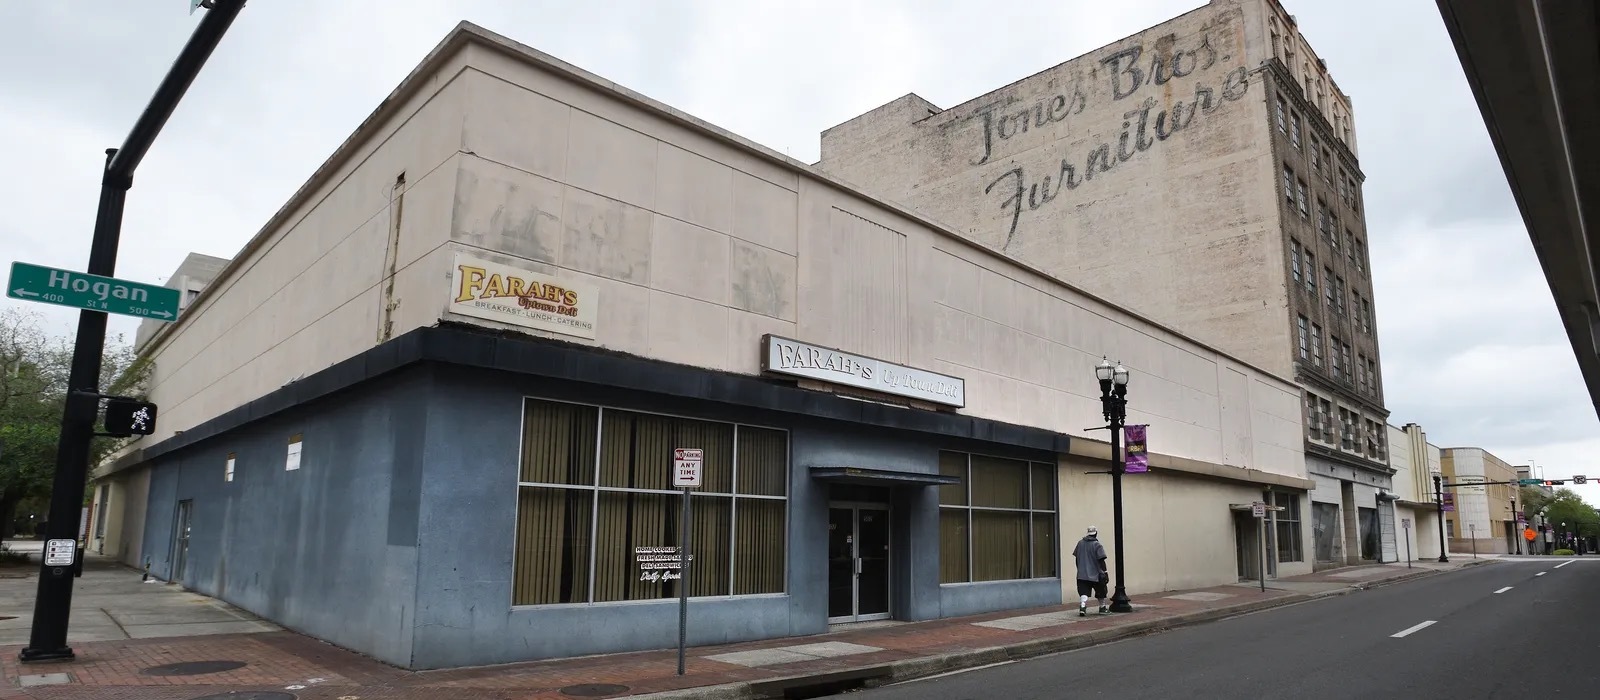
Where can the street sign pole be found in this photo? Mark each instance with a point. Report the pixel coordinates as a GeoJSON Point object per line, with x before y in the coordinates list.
{"type": "Point", "coordinates": [1261, 533]}
{"type": "Point", "coordinates": [686, 464]}
{"type": "Point", "coordinates": [1406, 524]}
{"type": "Point", "coordinates": [1258, 510]}
{"type": "Point", "coordinates": [53, 606]}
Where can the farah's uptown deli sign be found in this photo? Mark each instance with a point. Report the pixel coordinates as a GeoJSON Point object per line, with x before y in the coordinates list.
{"type": "Point", "coordinates": [794, 358]}
{"type": "Point", "coordinates": [496, 292]}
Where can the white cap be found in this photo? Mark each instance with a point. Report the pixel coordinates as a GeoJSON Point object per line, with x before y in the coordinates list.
{"type": "Point", "coordinates": [1093, 530]}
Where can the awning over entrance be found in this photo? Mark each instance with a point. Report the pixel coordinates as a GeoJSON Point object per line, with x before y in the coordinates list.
{"type": "Point", "coordinates": [880, 477]}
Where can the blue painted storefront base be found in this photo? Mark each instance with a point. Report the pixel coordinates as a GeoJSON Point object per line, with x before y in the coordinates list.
{"type": "Point", "coordinates": [960, 599]}
{"type": "Point", "coordinates": [395, 536]}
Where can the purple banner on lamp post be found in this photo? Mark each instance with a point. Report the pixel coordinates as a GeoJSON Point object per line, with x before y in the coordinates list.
{"type": "Point", "coordinates": [1135, 459]}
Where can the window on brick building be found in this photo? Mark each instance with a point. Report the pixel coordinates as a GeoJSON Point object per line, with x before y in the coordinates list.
{"type": "Point", "coordinates": [1305, 342]}
{"type": "Point", "coordinates": [1313, 423]}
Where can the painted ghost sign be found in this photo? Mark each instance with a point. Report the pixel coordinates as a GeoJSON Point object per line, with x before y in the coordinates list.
{"type": "Point", "coordinates": [1147, 123]}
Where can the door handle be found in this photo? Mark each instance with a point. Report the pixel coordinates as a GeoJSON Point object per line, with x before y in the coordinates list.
{"type": "Point", "coordinates": [858, 566]}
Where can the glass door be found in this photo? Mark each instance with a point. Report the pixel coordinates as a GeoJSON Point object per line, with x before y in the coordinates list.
{"type": "Point", "coordinates": [872, 569]}
{"type": "Point", "coordinates": [858, 562]}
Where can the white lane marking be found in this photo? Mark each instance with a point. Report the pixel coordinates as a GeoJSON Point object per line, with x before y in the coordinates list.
{"type": "Point", "coordinates": [1561, 565]}
{"type": "Point", "coordinates": [1540, 574]}
{"type": "Point", "coordinates": [1412, 629]}
{"type": "Point", "coordinates": [1503, 590]}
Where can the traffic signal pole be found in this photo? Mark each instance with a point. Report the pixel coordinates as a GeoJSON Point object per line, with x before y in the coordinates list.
{"type": "Point", "coordinates": [53, 605]}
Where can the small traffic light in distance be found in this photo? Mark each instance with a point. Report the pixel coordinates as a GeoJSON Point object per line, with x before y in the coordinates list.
{"type": "Point", "coordinates": [1554, 482]}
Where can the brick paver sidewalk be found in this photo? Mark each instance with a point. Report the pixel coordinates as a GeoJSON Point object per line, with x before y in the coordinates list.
{"type": "Point", "coordinates": [305, 669]}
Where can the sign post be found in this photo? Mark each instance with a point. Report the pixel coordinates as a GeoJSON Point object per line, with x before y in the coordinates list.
{"type": "Point", "coordinates": [1258, 510]}
{"type": "Point", "coordinates": [52, 609]}
{"type": "Point", "coordinates": [686, 462]}
{"type": "Point", "coordinates": [1405, 524]}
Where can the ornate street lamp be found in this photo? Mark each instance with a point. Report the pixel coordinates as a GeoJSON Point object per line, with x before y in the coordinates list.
{"type": "Point", "coordinates": [1438, 498]}
{"type": "Point", "coordinates": [1114, 406]}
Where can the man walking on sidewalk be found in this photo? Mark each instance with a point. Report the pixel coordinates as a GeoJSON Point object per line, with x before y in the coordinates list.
{"type": "Point", "coordinates": [1092, 576]}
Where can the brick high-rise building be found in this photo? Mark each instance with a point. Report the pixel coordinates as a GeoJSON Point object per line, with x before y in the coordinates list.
{"type": "Point", "coordinates": [1204, 172]}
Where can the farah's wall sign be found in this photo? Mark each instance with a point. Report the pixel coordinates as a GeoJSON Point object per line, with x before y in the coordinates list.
{"type": "Point", "coordinates": [794, 358]}
{"type": "Point", "coordinates": [507, 294]}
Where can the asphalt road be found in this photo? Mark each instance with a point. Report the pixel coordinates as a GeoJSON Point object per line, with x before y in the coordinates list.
{"type": "Point", "coordinates": [1462, 634]}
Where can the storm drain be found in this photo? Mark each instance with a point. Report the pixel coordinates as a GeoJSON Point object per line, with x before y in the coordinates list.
{"type": "Point", "coordinates": [593, 690]}
{"type": "Point", "coordinates": [194, 668]}
{"type": "Point", "coordinates": [250, 695]}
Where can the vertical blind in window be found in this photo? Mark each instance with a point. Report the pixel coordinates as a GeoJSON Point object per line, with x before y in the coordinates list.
{"type": "Point", "coordinates": [1289, 546]}
{"type": "Point", "coordinates": [595, 484]}
{"type": "Point", "coordinates": [999, 523]}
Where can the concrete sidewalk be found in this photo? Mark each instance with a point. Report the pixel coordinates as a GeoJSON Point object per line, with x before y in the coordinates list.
{"type": "Point", "coordinates": [110, 602]}
{"type": "Point", "coordinates": [298, 667]}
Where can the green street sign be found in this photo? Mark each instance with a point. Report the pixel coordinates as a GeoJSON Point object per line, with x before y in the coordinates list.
{"type": "Point", "coordinates": [49, 285]}
{"type": "Point", "coordinates": [1529, 482]}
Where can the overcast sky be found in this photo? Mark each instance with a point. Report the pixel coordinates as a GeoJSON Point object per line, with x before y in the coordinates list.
{"type": "Point", "coordinates": [1471, 345]}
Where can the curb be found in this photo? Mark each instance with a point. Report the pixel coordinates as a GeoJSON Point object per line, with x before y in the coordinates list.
{"type": "Point", "coordinates": [875, 675]}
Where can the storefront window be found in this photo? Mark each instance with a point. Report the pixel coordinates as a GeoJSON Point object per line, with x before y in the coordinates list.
{"type": "Point", "coordinates": [1288, 529]}
{"type": "Point", "coordinates": [576, 540]}
{"type": "Point", "coordinates": [999, 523]}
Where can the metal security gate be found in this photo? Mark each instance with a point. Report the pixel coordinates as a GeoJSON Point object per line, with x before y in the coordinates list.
{"type": "Point", "coordinates": [1386, 531]}
{"type": "Point", "coordinates": [1367, 530]}
{"type": "Point", "coordinates": [1325, 532]}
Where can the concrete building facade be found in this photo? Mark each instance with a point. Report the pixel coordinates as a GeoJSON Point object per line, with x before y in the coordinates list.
{"type": "Point", "coordinates": [1415, 461]}
{"type": "Point", "coordinates": [1483, 520]}
{"type": "Point", "coordinates": [117, 507]}
{"type": "Point", "coordinates": [1204, 172]}
{"type": "Point", "coordinates": [190, 279]}
{"type": "Point", "coordinates": [451, 375]}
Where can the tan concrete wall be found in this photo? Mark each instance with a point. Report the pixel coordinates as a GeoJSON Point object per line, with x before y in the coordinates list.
{"type": "Point", "coordinates": [130, 498]}
{"type": "Point", "coordinates": [1180, 531]}
{"type": "Point", "coordinates": [698, 246]}
{"type": "Point", "coordinates": [1141, 172]}
{"type": "Point", "coordinates": [308, 293]}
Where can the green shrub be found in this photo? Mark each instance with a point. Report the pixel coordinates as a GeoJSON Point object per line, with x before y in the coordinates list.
{"type": "Point", "coordinates": [9, 556]}
{"type": "Point", "coordinates": [1563, 552]}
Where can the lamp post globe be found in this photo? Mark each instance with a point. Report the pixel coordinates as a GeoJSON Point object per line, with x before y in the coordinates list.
{"type": "Point", "coordinates": [1104, 370]}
